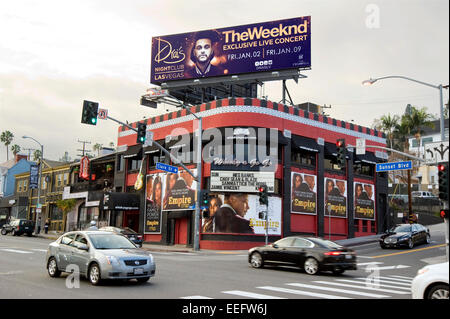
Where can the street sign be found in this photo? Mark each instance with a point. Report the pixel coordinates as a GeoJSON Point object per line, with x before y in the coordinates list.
{"type": "Point", "coordinates": [156, 92]}
{"type": "Point", "coordinates": [148, 138]}
{"type": "Point", "coordinates": [436, 152]}
{"type": "Point", "coordinates": [360, 146]}
{"type": "Point", "coordinates": [395, 166]}
{"type": "Point", "coordinates": [102, 114]}
{"type": "Point", "coordinates": [167, 168]}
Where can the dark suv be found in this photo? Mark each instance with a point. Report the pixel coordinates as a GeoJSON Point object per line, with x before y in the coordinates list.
{"type": "Point", "coordinates": [18, 227]}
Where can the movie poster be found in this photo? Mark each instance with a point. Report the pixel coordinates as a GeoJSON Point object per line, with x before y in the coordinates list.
{"type": "Point", "coordinates": [335, 197]}
{"type": "Point", "coordinates": [304, 193]}
{"type": "Point", "coordinates": [267, 46]}
{"type": "Point", "coordinates": [153, 195]}
{"type": "Point", "coordinates": [238, 213]}
{"type": "Point", "coordinates": [364, 201]}
{"type": "Point", "coordinates": [179, 191]}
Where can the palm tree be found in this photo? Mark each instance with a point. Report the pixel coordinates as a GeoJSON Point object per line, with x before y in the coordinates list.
{"type": "Point", "coordinates": [15, 149]}
{"type": "Point", "coordinates": [417, 120]}
{"type": "Point", "coordinates": [97, 147]}
{"type": "Point", "coordinates": [6, 138]}
{"type": "Point", "coordinates": [37, 155]}
{"type": "Point", "coordinates": [388, 124]}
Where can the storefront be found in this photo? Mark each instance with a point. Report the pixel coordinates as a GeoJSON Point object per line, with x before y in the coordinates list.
{"type": "Point", "coordinates": [252, 142]}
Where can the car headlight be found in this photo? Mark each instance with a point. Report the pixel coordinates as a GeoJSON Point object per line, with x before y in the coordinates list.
{"type": "Point", "coordinates": [422, 271]}
{"type": "Point", "coordinates": [112, 260]}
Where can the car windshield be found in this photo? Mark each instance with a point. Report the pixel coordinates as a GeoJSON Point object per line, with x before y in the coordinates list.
{"type": "Point", "coordinates": [401, 229]}
{"type": "Point", "coordinates": [104, 241]}
{"type": "Point", "coordinates": [326, 243]}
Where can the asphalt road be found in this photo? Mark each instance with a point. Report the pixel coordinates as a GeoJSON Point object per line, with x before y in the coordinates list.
{"type": "Point", "coordinates": [221, 275]}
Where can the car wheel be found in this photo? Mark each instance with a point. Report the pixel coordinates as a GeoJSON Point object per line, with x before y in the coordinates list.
{"type": "Point", "coordinates": [311, 266]}
{"type": "Point", "coordinates": [52, 268]}
{"type": "Point", "coordinates": [94, 274]}
{"type": "Point", "coordinates": [13, 232]}
{"type": "Point", "coordinates": [256, 260]}
{"type": "Point", "coordinates": [143, 280]}
{"type": "Point", "coordinates": [428, 239]}
{"type": "Point", "coordinates": [4, 232]}
{"type": "Point", "coordinates": [383, 246]}
{"type": "Point", "coordinates": [410, 243]}
{"type": "Point", "coordinates": [29, 234]}
{"type": "Point", "coordinates": [438, 292]}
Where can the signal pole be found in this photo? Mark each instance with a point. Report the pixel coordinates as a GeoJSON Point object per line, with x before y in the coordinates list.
{"type": "Point", "coordinates": [84, 148]}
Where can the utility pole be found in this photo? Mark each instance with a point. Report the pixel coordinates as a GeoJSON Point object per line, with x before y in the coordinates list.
{"type": "Point", "coordinates": [84, 147]}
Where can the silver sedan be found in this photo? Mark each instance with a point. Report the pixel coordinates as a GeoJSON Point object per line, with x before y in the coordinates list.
{"type": "Point", "coordinates": [99, 255]}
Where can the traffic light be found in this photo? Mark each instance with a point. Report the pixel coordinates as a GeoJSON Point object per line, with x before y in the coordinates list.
{"type": "Point", "coordinates": [443, 181]}
{"type": "Point", "coordinates": [142, 128]}
{"type": "Point", "coordinates": [205, 198]}
{"type": "Point", "coordinates": [341, 153]}
{"type": "Point", "coordinates": [263, 199]}
{"type": "Point", "coordinates": [444, 213]}
{"type": "Point", "coordinates": [90, 112]}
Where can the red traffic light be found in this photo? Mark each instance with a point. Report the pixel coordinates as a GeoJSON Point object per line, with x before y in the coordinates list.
{"type": "Point", "coordinates": [444, 213]}
{"type": "Point", "coordinates": [339, 143]}
{"type": "Point", "coordinates": [441, 167]}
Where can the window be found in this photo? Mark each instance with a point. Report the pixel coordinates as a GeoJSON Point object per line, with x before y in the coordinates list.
{"type": "Point", "coordinates": [285, 242]}
{"type": "Point", "coordinates": [79, 241]}
{"type": "Point", "coordinates": [303, 157]}
{"type": "Point", "coordinates": [19, 186]}
{"type": "Point", "coordinates": [364, 169]}
{"type": "Point", "coordinates": [25, 185]}
{"type": "Point", "coordinates": [330, 163]}
{"type": "Point", "coordinates": [44, 182]}
{"type": "Point", "coordinates": [120, 163]}
{"type": "Point", "coordinates": [59, 180]}
{"type": "Point", "coordinates": [66, 178]}
{"type": "Point", "coordinates": [303, 243]}
{"type": "Point", "coordinates": [134, 165]}
{"type": "Point", "coordinates": [66, 240]}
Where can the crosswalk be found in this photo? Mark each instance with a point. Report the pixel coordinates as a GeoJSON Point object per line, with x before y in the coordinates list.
{"type": "Point", "coordinates": [391, 286]}
{"type": "Point", "coordinates": [21, 251]}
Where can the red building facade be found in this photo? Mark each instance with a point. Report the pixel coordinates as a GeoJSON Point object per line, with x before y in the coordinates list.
{"type": "Point", "coordinates": [355, 197]}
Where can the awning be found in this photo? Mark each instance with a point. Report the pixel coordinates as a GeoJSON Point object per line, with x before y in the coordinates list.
{"type": "Point", "coordinates": [151, 149]}
{"type": "Point", "coordinates": [121, 201]}
{"type": "Point", "coordinates": [133, 151]}
{"type": "Point", "coordinates": [369, 158]}
{"type": "Point", "coordinates": [305, 143]}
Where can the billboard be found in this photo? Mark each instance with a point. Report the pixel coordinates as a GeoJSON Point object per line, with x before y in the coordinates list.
{"type": "Point", "coordinates": [34, 176]}
{"type": "Point", "coordinates": [260, 47]}
{"type": "Point", "coordinates": [241, 181]}
{"type": "Point", "coordinates": [238, 213]}
{"type": "Point", "coordinates": [364, 201]}
{"type": "Point", "coordinates": [335, 198]}
{"type": "Point", "coordinates": [304, 194]}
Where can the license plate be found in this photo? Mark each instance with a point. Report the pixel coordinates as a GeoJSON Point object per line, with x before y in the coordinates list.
{"type": "Point", "coordinates": [348, 256]}
{"type": "Point", "coordinates": [138, 271]}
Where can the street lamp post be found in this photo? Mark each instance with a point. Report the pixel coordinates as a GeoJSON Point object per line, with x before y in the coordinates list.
{"type": "Point", "coordinates": [439, 87]}
{"type": "Point", "coordinates": [39, 182]}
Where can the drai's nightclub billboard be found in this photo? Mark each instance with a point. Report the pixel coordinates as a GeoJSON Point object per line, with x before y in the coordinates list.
{"type": "Point", "coordinates": [261, 47]}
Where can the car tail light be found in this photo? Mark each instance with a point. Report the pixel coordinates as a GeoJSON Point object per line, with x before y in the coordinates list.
{"type": "Point", "coordinates": [139, 236]}
{"type": "Point", "coordinates": [333, 253]}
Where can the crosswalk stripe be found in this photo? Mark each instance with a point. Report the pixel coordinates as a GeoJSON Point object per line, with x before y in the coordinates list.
{"type": "Point", "coordinates": [345, 291]}
{"type": "Point", "coordinates": [304, 293]}
{"type": "Point", "coordinates": [404, 277]}
{"type": "Point", "coordinates": [385, 281]}
{"type": "Point", "coordinates": [16, 251]}
{"type": "Point", "coordinates": [381, 285]}
{"type": "Point", "coordinates": [362, 287]}
{"type": "Point", "coordinates": [196, 297]}
{"type": "Point", "coordinates": [369, 263]}
{"type": "Point", "coordinates": [250, 294]}
{"type": "Point", "coordinates": [396, 279]}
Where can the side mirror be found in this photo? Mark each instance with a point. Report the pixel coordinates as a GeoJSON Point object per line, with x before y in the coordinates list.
{"type": "Point", "coordinates": [83, 247]}
{"type": "Point", "coordinates": [274, 245]}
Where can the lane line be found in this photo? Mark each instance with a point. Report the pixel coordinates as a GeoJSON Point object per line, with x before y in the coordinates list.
{"type": "Point", "coordinates": [303, 293]}
{"type": "Point", "coordinates": [16, 251]}
{"type": "Point", "coordinates": [404, 277]}
{"type": "Point", "coordinates": [381, 285]}
{"type": "Point", "coordinates": [195, 297]}
{"type": "Point", "coordinates": [250, 294]}
{"type": "Point", "coordinates": [345, 291]}
{"type": "Point", "coordinates": [410, 251]}
{"type": "Point", "coordinates": [396, 279]}
{"type": "Point", "coordinates": [370, 263]}
{"type": "Point", "coordinates": [386, 281]}
{"type": "Point", "coordinates": [363, 287]}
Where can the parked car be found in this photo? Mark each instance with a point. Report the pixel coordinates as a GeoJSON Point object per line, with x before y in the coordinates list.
{"type": "Point", "coordinates": [18, 227]}
{"type": "Point", "coordinates": [431, 282]}
{"type": "Point", "coordinates": [128, 232]}
{"type": "Point", "coordinates": [311, 254]}
{"type": "Point", "coordinates": [99, 255]}
{"type": "Point", "coordinates": [405, 235]}
{"type": "Point", "coordinates": [423, 194]}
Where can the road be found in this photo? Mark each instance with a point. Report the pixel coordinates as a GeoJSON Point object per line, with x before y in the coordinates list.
{"type": "Point", "coordinates": [221, 275]}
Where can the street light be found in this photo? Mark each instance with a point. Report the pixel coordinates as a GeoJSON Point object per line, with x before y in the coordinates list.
{"type": "Point", "coordinates": [39, 180]}
{"type": "Point", "coordinates": [439, 87]}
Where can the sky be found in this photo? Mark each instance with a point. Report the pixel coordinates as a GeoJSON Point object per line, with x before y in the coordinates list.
{"type": "Point", "coordinates": [54, 54]}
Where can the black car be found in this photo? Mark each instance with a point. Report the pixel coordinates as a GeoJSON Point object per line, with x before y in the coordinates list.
{"type": "Point", "coordinates": [18, 227]}
{"type": "Point", "coordinates": [310, 253]}
{"type": "Point", "coordinates": [127, 232]}
{"type": "Point", "coordinates": [405, 235]}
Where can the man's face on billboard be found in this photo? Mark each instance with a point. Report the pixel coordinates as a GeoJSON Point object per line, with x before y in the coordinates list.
{"type": "Point", "coordinates": [239, 204]}
{"type": "Point", "coordinates": [203, 50]}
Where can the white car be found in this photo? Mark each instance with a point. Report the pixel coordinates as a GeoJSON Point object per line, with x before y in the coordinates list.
{"type": "Point", "coordinates": [431, 282]}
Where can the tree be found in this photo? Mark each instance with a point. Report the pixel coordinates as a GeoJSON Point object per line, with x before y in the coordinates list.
{"type": "Point", "coordinates": [6, 138]}
{"type": "Point", "coordinates": [388, 124]}
{"type": "Point", "coordinates": [15, 149]}
{"type": "Point", "coordinates": [97, 147]}
{"type": "Point", "coordinates": [37, 154]}
{"type": "Point", "coordinates": [417, 120]}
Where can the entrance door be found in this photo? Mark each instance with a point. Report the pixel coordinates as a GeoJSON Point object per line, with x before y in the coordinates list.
{"type": "Point", "coordinates": [181, 230]}
{"type": "Point", "coordinates": [131, 220]}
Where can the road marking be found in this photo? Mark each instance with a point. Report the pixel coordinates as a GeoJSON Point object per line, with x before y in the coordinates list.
{"type": "Point", "coordinates": [392, 267]}
{"type": "Point", "coordinates": [250, 294]}
{"type": "Point", "coordinates": [304, 293]}
{"type": "Point", "coordinates": [13, 272]}
{"type": "Point", "coordinates": [370, 263]}
{"type": "Point", "coordinates": [372, 284]}
{"type": "Point", "coordinates": [404, 277]}
{"type": "Point", "coordinates": [196, 297]}
{"type": "Point", "coordinates": [345, 291]}
{"type": "Point", "coordinates": [16, 251]}
{"type": "Point", "coordinates": [410, 251]}
{"type": "Point", "coordinates": [396, 279]}
{"type": "Point", "coordinates": [362, 287]}
{"type": "Point", "coordinates": [368, 257]}
{"type": "Point", "coordinates": [387, 281]}
{"type": "Point", "coordinates": [40, 250]}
